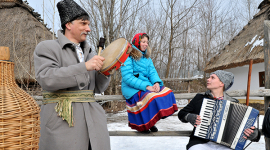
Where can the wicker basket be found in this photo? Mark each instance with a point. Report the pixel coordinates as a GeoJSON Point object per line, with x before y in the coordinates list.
{"type": "Point", "coordinates": [19, 112]}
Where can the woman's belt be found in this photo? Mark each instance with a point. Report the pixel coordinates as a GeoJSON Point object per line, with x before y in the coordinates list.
{"type": "Point", "coordinates": [64, 100]}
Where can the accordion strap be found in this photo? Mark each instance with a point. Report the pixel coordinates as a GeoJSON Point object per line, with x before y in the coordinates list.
{"type": "Point", "coordinates": [258, 127]}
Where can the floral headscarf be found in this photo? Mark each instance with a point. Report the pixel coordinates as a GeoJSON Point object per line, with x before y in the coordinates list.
{"type": "Point", "coordinates": [137, 40]}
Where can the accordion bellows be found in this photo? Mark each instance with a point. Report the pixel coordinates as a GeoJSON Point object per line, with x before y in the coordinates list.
{"type": "Point", "coordinates": [19, 112]}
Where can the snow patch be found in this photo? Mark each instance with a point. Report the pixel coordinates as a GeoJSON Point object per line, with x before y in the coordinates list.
{"type": "Point", "coordinates": [198, 77]}
{"type": "Point", "coordinates": [257, 43]}
{"type": "Point", "coordinates": [171, 123]}
{"type": "Point", "coordinates": [249, 43]}
{"type": "Point", "coordinates": [254, 43]}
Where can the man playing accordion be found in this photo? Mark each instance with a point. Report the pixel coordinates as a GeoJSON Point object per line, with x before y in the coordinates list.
{"type": "Point", "coordinates": [218, 82]}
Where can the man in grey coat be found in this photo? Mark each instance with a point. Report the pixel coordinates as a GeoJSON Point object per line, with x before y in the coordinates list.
{"type": "Point", "coordinates": [67, 67]}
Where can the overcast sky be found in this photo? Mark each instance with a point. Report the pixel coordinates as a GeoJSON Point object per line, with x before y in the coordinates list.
{"type": "Point", "coordinates": [38, 6]}
{"type": "Point", "coordinates": [48, 15]}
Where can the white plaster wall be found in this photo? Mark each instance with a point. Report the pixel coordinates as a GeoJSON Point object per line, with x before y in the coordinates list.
{"type": "Point", "coordinates": [241, 77]}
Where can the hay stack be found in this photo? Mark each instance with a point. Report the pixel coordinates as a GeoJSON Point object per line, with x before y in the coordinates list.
{"type": "Point", "coordinates": [21, 29]}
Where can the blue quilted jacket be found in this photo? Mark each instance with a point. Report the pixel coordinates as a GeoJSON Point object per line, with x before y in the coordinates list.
{"type": "Point", "coordinates": [138, 73]}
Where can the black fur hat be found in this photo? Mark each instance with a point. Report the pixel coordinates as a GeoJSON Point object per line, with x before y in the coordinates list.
{"type": "Point", "coordinates": [69, 10]}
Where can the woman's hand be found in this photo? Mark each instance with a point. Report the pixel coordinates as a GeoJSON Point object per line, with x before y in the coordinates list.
{"type": "Point", "coordinates": [156, 87]}
{"type": "Point", "coordinates": [151, 89]}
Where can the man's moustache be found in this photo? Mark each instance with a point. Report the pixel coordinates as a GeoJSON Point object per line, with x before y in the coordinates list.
{"type": "Point", "coordinates": [86, 33]}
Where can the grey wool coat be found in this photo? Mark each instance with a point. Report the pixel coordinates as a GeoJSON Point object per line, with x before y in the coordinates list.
{"type": "Point", "coordinates": [57, 67]}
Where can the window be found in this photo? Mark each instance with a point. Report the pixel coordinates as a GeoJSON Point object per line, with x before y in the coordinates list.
{"type": "Point", "coordinates": [261, 79]}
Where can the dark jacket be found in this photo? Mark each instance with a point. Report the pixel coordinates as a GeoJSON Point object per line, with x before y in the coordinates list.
{"type": "Point", "coordinates": [195, 107]}
{"type": "Point", "coordinates": [266, 123]}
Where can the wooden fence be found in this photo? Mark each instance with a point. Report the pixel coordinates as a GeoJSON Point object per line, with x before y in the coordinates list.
{"type": "Point", "coordinates": [176, 84]}
{"type": "Point", "coordinates": [236, 93]}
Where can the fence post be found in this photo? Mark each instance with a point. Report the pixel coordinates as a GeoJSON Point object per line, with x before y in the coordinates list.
{"type": "Point", "coordinates": [267, 70]}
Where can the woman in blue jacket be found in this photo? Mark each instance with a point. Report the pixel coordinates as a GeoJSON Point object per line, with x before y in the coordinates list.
{"type": "Point", "coordinates": [147, 100]}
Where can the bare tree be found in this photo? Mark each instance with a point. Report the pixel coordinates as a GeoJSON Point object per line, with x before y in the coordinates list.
{"type": "Point", "coordinates": [49, 13]}
{"type": "Point", "coordinates": [212, 22]}
{"type": "Point", "coordinates": [247, 8]}
{"type": "Point", "coordinates": [113, 19]}
{"type": "Point", "coordinates": [177, 16]}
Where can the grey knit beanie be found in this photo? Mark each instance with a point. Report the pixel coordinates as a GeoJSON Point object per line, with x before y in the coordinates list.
{"type": "Point", "coordinates": [69, 10]}
{"type": "Point", "coordinates": [227, 78]}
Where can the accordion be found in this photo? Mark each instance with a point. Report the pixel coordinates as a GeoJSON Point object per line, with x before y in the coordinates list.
{"type": "Point", "coordinates": [224, 122]}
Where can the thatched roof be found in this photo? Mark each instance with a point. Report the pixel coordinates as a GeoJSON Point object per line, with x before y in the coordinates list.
{"type": "Point", "coordinates": [21, 29]}
{"type": "Point", "coordinates": [247, 45]}
{"type": "Point", "coordinates": [263, 4]}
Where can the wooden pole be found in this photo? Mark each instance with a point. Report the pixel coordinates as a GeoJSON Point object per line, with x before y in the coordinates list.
{"type": "Point", "coordinates": [159, 133]}
{"type": "Point", "coordinates": [189, 87]}
{"type": "Point", "coordinates": [267, 69]}
{"type": "Point", "coordinates": [189, 91]}
{"type": "Point", "coordinates": [248, 84]}
{"type": "Point", "coordinates": [4, 53]}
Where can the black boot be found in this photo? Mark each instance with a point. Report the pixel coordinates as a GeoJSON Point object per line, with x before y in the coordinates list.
{"type": "Point", "coordinates": [154, 129]}
{"type": "Point", "coordinates": [145, 132]}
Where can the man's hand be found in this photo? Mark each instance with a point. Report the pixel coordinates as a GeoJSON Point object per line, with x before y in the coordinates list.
{"type": "Point", "coordinates": [156, 87]}
{"type": "Point", "coordinates": [194, 119]}
{"type": "Point", "coordinates": [251, 134]}
{"type": "Point", "coordinates": [94, 63]}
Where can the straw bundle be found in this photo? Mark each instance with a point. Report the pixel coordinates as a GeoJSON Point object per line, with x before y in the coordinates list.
{"type": "Point", "coordinates": [19, 112]}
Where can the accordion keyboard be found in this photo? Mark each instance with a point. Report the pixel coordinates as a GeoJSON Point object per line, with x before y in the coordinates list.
{"type": "Point", "coordinates": [206, 115]}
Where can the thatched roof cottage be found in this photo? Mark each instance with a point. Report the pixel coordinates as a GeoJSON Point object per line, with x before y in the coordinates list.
{"type": "Point", "coordinates": [21, 29]}
{"type": "Point", "coordinates": [247, 45]}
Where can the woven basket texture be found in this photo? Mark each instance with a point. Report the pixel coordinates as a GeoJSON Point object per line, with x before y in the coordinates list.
{"type": "Point", "coordinates": [19, 113]}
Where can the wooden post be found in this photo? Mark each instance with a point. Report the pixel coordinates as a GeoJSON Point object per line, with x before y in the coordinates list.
{"type": "Point", "coordinates": [189, 86]}
{"type": "Point", "coordinates": [267, 68]}
{"type": "Point", "coordinates": [249, 78]}
{"type": "Point", "coordinates": [189, 91]}
{"type": "Point", "coordinates": [5, 54]}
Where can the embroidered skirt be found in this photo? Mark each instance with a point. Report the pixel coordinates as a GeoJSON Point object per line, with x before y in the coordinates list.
{"type": "Point", "coordinates": [152, 108]}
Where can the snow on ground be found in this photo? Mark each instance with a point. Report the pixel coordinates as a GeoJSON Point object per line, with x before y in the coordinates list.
{"type": "Point", "coordinates": [171, 123]}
